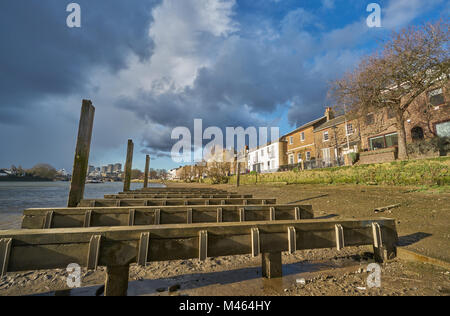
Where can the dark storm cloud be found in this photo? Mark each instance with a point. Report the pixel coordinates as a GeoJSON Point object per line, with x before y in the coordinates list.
{"type": "Point", "coordinates": [245, 85]}
{"type": "Point", "coordinates": [41, 57]}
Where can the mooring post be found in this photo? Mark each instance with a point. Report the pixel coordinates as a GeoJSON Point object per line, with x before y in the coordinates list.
{"type": "Point", "coordinates": [81, 162]}
{"type": "Point", "coordinates": [271, 265]}
{"type": "Point", "coordinates": [238, 176]}
{"type": "Point", "coordinates": [147, 167]}
{"type": "Point", "coordinates": [117, 280]}
{"type": "Point", "coordinates": [128, 166]}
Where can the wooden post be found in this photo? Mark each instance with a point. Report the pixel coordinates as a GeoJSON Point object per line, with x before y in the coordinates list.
{"type": "Point", "coordinates": [238, 176]}
{"type": "Point", "coordinates": [147, 167]}
{"type": "Point", "coordinates": [128, 166]}
{"type": "Point", "coordinates": [117, 281]}
{"type": "Point", "coordinates": [271, 265]}
{"type": "Point", "coordinates": [81, 162]}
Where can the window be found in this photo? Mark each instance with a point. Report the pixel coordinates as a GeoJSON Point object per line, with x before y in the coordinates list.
{"type": "Point", "coordinates": [436, 97]}
{"type": "Point", "coordinates": [299, 157]}
{"type": "Point", "coordinates": [291, 159]}
{"type": "Point", "coordinates": [326, 137]}
{"type": "Point", "coordinates": [391, 140]}
{"type": "Point", "coordinates": [370, 119]}
{"type": "Point", "coordinates": [384, 141]}
{"type": "Point", "coordinates": [417, 133]}
{"type": "Point", "coordinates": [291, 140]}
{"type": "Point", "coordinates": [262, 153]}
{"type": "Point", "coordinates": [443, 129]}
{"type": "Point", "coordinates": [390, 113]}
{"type": "Point", "coordinates": [308, 156]}
{"type": "Point", "coordinates": [350, 130]}
{"type": "Point", "coordinates": [302, 136]}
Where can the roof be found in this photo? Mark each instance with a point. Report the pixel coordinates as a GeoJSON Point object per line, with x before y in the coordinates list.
{"type": "Point", "coordinates": [312, 123]}
{"type": "Point", "coordinates": [331, 123]}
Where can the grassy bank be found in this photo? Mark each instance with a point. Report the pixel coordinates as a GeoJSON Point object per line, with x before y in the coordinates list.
{"type": "Point", "coordinates": [430, 172]}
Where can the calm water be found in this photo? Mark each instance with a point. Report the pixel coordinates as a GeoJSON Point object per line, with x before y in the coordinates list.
{"type": "Point", "coordinates": [17, 196]}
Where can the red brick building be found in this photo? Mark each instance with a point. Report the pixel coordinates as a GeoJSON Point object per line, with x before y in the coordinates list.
{"type": "Point", "coordinates": [427, 117]}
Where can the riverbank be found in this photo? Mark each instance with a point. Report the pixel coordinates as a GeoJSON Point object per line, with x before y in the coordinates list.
{"type": "Point", "coordinates": [427, 172]}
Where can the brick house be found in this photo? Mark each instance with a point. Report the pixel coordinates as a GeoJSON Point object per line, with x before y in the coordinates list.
{"type": "Point", "coordinates": [336, 138]}
{"type": "Point", "coordinates": [427, 117]}
{"type": "Point", "coordinates": [301, 143]}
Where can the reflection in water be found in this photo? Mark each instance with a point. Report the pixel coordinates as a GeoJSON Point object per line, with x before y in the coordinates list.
{"type": "Point", "coordinates": [242, 282]}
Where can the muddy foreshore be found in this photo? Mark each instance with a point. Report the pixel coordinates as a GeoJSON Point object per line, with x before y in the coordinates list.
{"type": "Point", "coordinates": [423, 221]}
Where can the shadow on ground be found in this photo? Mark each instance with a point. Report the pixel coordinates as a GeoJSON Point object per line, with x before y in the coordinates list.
{"type": "Point", "coordinates": [412, 239]}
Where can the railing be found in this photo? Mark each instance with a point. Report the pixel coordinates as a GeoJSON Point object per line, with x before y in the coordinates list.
{"type": "Point", "coordinates": [314, 164]}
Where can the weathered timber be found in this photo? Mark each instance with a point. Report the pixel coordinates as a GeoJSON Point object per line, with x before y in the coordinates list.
{"type": "Point", "coordinates": [128, 167]}
{"type": "Point", "coordinates": [147, 168]}
{"type": "Point", "coordinates": [119, 246]}
{"type": "Point", "coordinates": [81, 161]}
{"type": "Point", "coordinates": [179, 189]}
{"type": "Point", "coordinates": [144, 216]}
{"type": "Point", "coordinates": [172, 202]}
{"type": "Point", "coordinates": [116, 283]}
{"type": "Point", "coordinates": [271, 265]}
{"type": "Point", "coordinates": [178, 196]}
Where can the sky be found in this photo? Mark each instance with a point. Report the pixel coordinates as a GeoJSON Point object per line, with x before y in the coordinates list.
{"type": "Point", "coordinates": [150, 66]}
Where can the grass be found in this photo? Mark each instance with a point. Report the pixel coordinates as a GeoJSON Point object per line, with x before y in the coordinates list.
{"type": "Point", "coordinates": [428, 173]}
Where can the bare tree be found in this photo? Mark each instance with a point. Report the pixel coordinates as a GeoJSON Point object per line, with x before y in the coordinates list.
{"type": "Point", "coordinates": [411, 62]}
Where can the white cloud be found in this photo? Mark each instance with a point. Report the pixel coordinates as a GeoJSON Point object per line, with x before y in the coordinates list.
{"type": "Point", "coordinates": [399, 13]}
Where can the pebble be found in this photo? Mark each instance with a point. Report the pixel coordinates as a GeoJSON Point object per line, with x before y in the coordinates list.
{"type": "Point", "coordinates": [301, 281]}
{"type": "Point", "coordinates": [174, 288]}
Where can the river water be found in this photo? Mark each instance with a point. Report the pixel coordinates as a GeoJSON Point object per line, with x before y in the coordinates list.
{"type": "Point", "coordinates": [17, 196]}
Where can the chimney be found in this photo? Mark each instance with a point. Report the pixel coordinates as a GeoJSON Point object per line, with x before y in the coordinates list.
{"type": "Point", "coordinates": [329, 114]}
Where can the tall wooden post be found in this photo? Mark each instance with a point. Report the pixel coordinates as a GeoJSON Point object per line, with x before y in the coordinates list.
{"type": "Point", "coordinates": [128, 166]}
{"type": "Point", "coordinates": [238, 176]}
{"type": "Point", "coordinates": [81, 162]}
{"type": "Point", "coordinates": [147, 168]}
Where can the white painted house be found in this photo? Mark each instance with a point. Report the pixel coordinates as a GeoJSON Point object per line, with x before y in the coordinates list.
{"type": "Point", "coordinates": [268, 158]}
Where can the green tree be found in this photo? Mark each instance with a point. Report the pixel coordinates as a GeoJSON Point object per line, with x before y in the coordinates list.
{"type": "Point", "coordinates": [43, 171]}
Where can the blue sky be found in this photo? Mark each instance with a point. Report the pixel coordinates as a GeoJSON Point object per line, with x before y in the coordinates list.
{"type": "Point", "coordinates": [152, 65]}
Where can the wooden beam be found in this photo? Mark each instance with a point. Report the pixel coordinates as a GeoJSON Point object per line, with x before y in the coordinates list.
{"type": "Point", "coordinates": [57, 248]}
{"type": "Point", "coordinates": [177, 196]}
{"type": "Point", "coordinates": [172, 202]}
{"type": "Point", "coordinates": [141, 216]}
{"type": "Point", "coordinates": [180, 189]}
{"type": "Point", "coordinates": [128, 167]}
{"type": "Point", "coordinates": [81, 161]}
{"type": "Point", "coordinates": [147, 168]}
